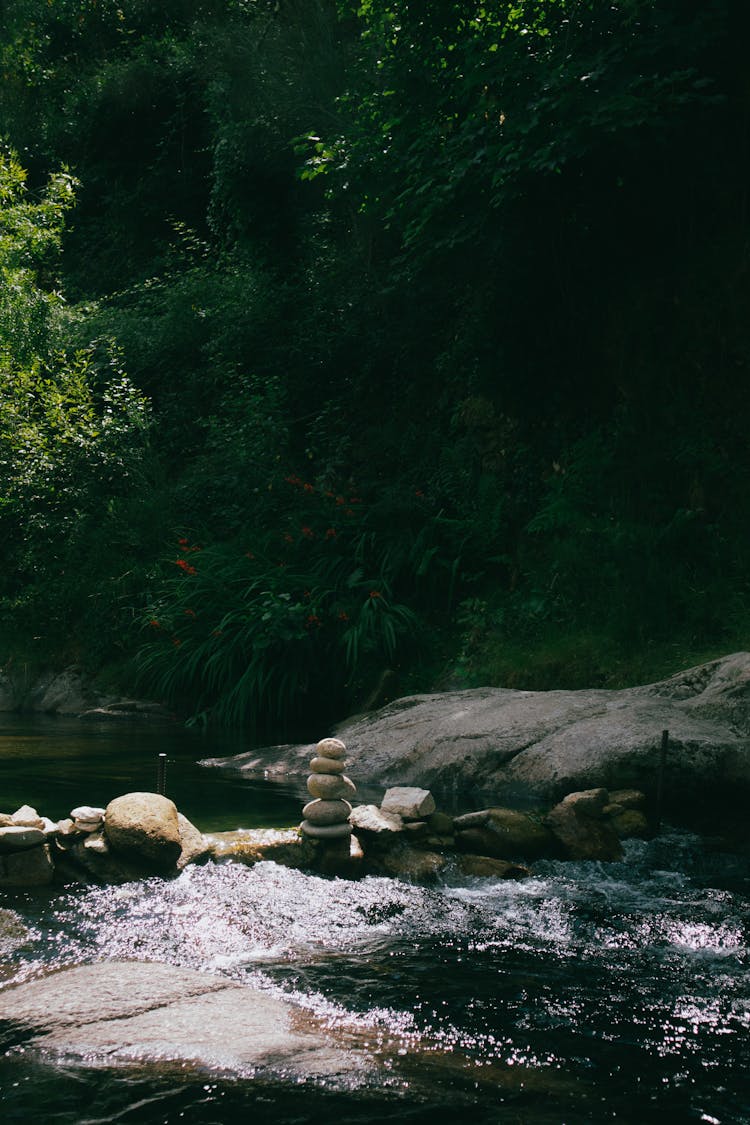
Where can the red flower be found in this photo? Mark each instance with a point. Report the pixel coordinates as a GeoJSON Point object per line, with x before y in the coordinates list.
{"type": "Point", "coordinates": [216, 633]}
{"type": "Point", "coordinates": [308, 488]}
{"type": "Point", "coordinates": [340, 500]}
{"type": "Point", "coordinates": [375, 594]}
{"type": "Point", "coordinates": [418, 492]}
{"type": "Point", "coordinates": [330, 533]}
{"type": "Point", "coordinates": [176, 642]}
{"type": "Point", "coordinates": [182, 543]}
{"type": "Point", "coordinates": [343, 616]}
{"type": "Point", "coordinates": [313, 621]}
{"type": "Point", "coordinates": [189, 612]}
{"type": "Point", "coordinates": [154, 623]}
{"type": "Point", "coordinates": [185, 566]}
{"type": "Point", "coordinates": [288, 538]}
{"type": "Point", "coordinates": [305, 593]}
{"type": "Point", "coordinates": [249, 555]}
{"type": "Point", "coordinates": [348, 512]}
{"type": "Point", "coordinates": [308, 532]}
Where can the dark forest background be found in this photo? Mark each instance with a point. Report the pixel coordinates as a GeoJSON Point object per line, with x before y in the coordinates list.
{"type": "Point", "coordinates": [354, 349]}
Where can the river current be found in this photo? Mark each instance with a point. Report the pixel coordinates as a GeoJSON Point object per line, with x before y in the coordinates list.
{"type": "Point", "coordinates": [587, 993]}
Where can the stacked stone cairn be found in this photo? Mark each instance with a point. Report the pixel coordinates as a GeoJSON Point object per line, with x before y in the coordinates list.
{"type": "Point", "coordinates": [327, 814]}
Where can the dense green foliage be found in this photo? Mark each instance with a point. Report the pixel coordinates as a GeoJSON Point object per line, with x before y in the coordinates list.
{"type": "Point", "coordinates": [397, 335]}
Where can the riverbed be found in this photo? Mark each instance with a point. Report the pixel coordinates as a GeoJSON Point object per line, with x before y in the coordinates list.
{"type": "Point", "coordinates": [587, 993]}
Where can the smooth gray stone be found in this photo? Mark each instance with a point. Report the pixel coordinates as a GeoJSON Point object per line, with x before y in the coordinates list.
{"type": "Point", "coordinates": [126, 1012]}
{"type": "Point", "coordinates": [330, 788]}
{"type": "Point", "coordinates": [16, 838]}
{"type": "Point", "coordinates": [327, 765]}
{"type": "Point", "coordinates": [325, 831]}
{"type": "Point", "coordinates": [326, 812]}
{"type": "Point", "coordinates": [330, 748]}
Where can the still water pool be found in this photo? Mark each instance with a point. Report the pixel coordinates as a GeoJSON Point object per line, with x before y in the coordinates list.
{"type": "Point", "coordinates": [587, 993]}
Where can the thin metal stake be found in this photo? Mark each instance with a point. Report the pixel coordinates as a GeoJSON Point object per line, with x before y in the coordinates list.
{"type": "Point", "coordinates": [660, 778]}
{"type": "Point", "coordinates": [161, 774]}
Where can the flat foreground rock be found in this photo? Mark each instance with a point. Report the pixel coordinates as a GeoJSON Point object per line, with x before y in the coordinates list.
{"type": "Point", "coordinates": [121, 1012]}
{"type": "Point", "coordinates": [543, 745]}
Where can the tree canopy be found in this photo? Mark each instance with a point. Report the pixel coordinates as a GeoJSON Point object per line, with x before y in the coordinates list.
{"type": "Point", "coordinates": [345, 337]}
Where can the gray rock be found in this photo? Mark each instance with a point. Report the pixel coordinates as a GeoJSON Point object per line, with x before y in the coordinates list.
{"type": "Point", "coordinates": [66, 693]}
{"type": "Point", "coordinates": [120, 1012]}
{"type": "Point", "coordinates": [96, 842]}
{"type": "Point", "coordinates": [88, 814]}
{"type": "Point", "coordinates": [256, 845]}
{"type": "Point", "coordinates": [577, 823]}
{"type": "Point", "coordinates": [330, 788]}
{"type": "Point", "coordinates": [325, 831]}
{"type": "Point", "coordinates": [30, 868]}
{"type": "Point", "coordinates": [414, 865]}
{"type": "Point", "coordinates": [331, 748]}
{"type": "Point", "coordinates": [327, 765]}
{"type": "Point", "coordinates": [409, 802]}
{"type": "Point", "coordinates": [541, 745]}
{"type": "Point", "coordinates": [487, 867]}
{"type": "Point", "coordinates": [326, 812]}
{"type": "Point", "coordinates": [372, 821]}
{"type": "Point", "coordinates": [14, 838]}
{"type": "Point", "coordinates": [194, 845]}
{"type": "Point", "coordinates": [27, 817]}
{"type": "Point", "coordinates": [144, 827]}
{"type": "Point", "coordinates": [504, 834]}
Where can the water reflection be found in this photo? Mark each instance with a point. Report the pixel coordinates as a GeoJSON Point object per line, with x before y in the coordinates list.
{"type": "Point", "coordinates": [55, 764]}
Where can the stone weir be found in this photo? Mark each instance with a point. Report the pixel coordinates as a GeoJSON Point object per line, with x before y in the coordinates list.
{"type": "Point", "coordinates": [404, 836]}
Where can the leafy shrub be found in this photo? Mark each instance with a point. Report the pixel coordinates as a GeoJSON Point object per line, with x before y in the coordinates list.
{"type": "Point", "coordinates": [286, 622]}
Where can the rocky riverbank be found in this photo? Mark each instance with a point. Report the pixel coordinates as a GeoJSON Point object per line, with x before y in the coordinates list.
{"type": "Point", "coordinates": [406, 836]}
{"type": "Point", "coordinates": [525, 748]}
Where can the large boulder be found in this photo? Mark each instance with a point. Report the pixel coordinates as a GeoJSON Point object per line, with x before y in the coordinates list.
{"type": "Point", "coordinates": [125, 1012]}
{"type": "Point", "coordinates": [144, 828]}
{"type": "Point", "coordinates": [539, 745]}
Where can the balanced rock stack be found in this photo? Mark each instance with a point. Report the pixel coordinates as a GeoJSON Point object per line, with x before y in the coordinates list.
{"type": "Point", "coordinates": [327, 815]}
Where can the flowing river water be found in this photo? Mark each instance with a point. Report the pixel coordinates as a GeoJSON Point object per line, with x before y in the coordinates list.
{"type": "Point", "coordinates": [587, 993]}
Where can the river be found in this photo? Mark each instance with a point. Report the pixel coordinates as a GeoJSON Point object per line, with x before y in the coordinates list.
{"type": "Point", "coordinates": [587, 993]}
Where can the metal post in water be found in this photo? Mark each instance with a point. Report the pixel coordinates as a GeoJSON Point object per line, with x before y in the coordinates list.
{"type": "Point", "coordinates": [660, 778]}
{"type": "Point", "coordinates": [161, 774]}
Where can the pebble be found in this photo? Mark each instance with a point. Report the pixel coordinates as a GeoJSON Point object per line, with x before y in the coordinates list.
{"type": "Point", "coordinates": [87, 813]}
{"type": "Point", "coordinates": [326, 812]}
{"type": "Point", "coordinates": [327, 765]}
{"type": "Point", "coordinates": [325, 831]}
{"type": "Point", "coordinates": [330, 787]}
{"type": "Point", "coordinates": [26, 817]}
{"type": "Point", "coordinates": [331, 748]}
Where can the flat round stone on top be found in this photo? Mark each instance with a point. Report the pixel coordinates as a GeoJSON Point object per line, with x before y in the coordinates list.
{"type": "Point", "coordinates": [330, 748]}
